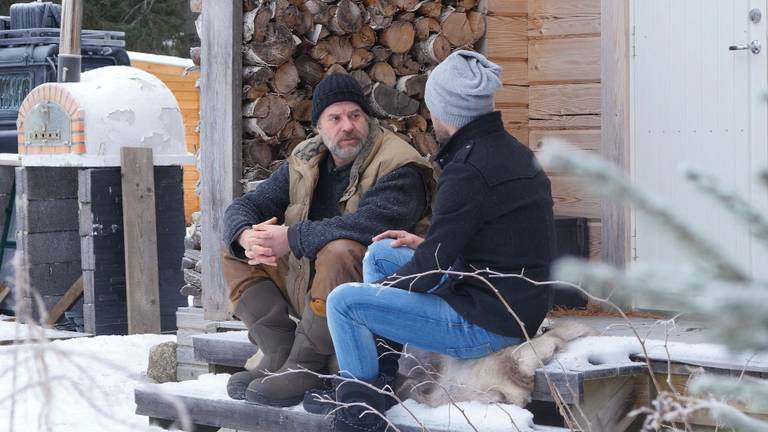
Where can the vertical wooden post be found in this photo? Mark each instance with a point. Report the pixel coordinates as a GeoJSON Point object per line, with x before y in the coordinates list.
{"type": "Point", "coordinates": [220, 135]}
{"type": "Point", "coordinates": [142, 287]}
{"type": "Point", "coordinates": [615, 52]}
{"type": "Point", "coordinates": [69, 58]}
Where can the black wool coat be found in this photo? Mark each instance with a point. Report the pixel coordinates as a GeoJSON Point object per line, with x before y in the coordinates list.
{"type": "Point", "coordinates": [492, 210]}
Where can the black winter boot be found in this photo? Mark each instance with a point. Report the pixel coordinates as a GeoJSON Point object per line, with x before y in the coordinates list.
{"type": "Point", "coordinates": [319, 400]}
{"type": "Point", "coordinates": [351, 418]}
{"type": "Point", "coordinates": [264, 312]}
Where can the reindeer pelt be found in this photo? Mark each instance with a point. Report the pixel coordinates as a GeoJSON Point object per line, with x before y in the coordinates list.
{"type": "Point", "coordinates": [504, 377]}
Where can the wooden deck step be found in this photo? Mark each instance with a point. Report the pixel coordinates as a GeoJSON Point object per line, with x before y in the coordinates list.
{"type": "Point", "coordinates": [212, 413]}
{"type": "Point", "coordinates": [232, 349]}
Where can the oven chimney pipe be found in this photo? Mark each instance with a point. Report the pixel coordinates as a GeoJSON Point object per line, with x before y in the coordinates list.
{"type": "Point", "coordinates": [69, 44]}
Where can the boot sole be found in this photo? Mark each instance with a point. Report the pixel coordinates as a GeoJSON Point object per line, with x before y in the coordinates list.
{"type": "Point", "coordinates": [258, 399]}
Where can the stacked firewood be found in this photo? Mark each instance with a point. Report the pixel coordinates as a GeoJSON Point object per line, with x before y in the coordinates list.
{"type": "Point", "coordinates": [388, 46]}
{"type": "Point", "coordinates": [191, 264]}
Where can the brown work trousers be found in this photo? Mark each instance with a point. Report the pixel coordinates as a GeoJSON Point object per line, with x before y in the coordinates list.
{"type": "Point", "coordinates": [340, 261]}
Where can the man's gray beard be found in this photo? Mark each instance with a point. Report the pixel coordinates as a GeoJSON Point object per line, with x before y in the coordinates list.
{"type": "Point", "coordinates": [348, 153]}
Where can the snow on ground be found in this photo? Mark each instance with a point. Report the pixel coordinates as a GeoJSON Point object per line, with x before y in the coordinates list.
{"type": "Point", "coordinates": [617, 349]}
{"type": "Point", "coordinates": [487, 418]}
{"type": "Point", "coordinates": [89, 384]}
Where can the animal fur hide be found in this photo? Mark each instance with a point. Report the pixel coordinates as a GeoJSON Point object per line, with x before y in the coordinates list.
{"type": "Point", "coordinates": [504, 377]}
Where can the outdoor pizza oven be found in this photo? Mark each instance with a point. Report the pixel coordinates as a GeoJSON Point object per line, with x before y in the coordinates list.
{"type": "Point", "coordinates": [84, 124]}
{"type": "Point", "coordinates": [70, 200]}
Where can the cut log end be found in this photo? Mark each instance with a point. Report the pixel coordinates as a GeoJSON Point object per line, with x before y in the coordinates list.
{"type": "Point", "coordinates": [387, 102]}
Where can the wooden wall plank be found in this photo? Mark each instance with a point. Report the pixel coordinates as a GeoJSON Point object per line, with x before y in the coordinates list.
{"type": "Point", "coordinates": [515, 118]}
{"type": "Point", "coordinates": [595, 239]}
{"type": "Point", "coordinates": [142, 281]}
{"type": "Point", "coordinates": [565, 99]}
{"type": "Point", "coordinates": [615, 51]}
{"type": "Point", "coordinates": [573, 198]}
{"type": "Point", "coordinates": [515, 72]}
{"type": "Point", "coordinates": [511, 97]}
{"type": "Point", "coordinates": [160, 68]}
{"type": "Point", "coordinates": [581, 141]}
{"type": "Point", "coordinates": [511, 8]}
{"type": "Point", "coordinates": [564, 61]}
{"type": "Point", "coordinates": [221, 131]}
{"type": "Point", "coordinates": [507, 38]}
{"type": "Point", "coordinates": [548, 18]}
{"type": "Point", "coordinates": [522, 134]}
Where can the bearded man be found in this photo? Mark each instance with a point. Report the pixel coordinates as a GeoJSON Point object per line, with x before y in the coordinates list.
{"type": "Point", "coordinates": [305, 230]}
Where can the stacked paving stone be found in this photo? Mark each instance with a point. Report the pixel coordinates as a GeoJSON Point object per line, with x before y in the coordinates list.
{"type": "Point", "coordinates": [47, 223]}
{"type": "Point", "coordinates": [103, 263]}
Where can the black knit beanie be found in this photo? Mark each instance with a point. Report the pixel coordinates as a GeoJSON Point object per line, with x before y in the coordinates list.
{"type": "Point", "coordinates": [336, 88]}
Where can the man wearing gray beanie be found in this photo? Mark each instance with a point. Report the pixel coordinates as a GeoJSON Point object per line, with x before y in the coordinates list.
{"type": "Point", "coordinates": [492, 212]}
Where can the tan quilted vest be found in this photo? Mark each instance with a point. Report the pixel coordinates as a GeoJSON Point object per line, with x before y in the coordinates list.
{"type": "Point", "coordinates": [382, 153]}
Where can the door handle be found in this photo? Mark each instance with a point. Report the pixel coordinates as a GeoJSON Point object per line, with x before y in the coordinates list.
{"type": "Point", "coordinates": [755, 46]}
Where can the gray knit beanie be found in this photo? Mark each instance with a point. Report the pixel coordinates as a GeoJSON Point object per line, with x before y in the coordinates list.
{"type": "Point", "coordinates": [461, 88]}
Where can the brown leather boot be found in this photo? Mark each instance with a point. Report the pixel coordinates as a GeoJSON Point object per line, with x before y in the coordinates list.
{"type": "Point", "coordinates": [264, 312]}
{"type": "Point", "coordinates": [311, 350]}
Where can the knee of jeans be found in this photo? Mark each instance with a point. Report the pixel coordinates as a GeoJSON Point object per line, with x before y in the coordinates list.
{"type": "Point", "coordinates": [376, 250]}
{"type": "Point", "coordinates": [338, 300]}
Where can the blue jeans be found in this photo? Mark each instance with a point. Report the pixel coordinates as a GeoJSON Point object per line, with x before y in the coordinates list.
{"type": "Point", "coordinates": [358, 311]}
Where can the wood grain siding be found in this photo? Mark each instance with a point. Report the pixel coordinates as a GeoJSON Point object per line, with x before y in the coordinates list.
{"type": "Point", "coordinates": [550, 52]}
{"type": "Point", "coordinates": [508, 38]}
{"type": "Point", "coordinates": [507, 45]}
{"type": "Point", "coordinates": [564, 18]}
{"type": "Point", "coordinates": [564, 61]}
{"type": "Point", "coordinates": [615, 76]}
{"type": "Point", "coordinates": [574, 198]}
{"type": "Point", "coordinates": [565, 106]}
{"type": "Point", "coordinates": [509, 8]}
{"type": "Point", "coordinates": [565, 95]}
{"type": "Point", "coordinates": [183, 87]}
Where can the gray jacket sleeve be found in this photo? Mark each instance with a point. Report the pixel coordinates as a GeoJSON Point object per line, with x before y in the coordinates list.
{"type": "Point", "coordinates": [396, 202]}
{"type": "Point", "coordinates": [270, 199]}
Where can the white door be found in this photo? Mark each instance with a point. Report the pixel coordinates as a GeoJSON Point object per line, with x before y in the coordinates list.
{"type": "Point", "coordinates": [695, 99]}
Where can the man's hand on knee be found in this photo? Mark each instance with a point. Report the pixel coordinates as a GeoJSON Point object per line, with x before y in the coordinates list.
{"type": "Point", "coordinates": [400, 238]}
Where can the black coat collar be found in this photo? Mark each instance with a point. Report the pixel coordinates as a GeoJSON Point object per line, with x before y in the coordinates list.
{"type": "Point", "coordinates": [485, 125]}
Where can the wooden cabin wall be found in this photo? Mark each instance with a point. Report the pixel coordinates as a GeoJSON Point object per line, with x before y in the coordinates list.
{"type": "Point", "coordinates": [550, 52]}
{"type": "Point", "coordinates": [183, 87]}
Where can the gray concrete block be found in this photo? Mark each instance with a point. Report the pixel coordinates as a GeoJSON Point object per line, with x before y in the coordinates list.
{"type": "Point", "coordinates": [54, 247]}
{"type": "Point", "coordinates": [89, 318]}
{"type": "Point", "coordinates": [48, 215]}
{"type": "Point", "coordinates": [88, 286]}
{"type": "Point", "coordinates": [84, 185]}
{"type": "Point", "coordinates": [87, 256]}
{"type": "Point", "coordinates": [54, 278]}
{"type": "Point", "coordinates": [5, 200]}
{"type": "Point", "coordinates": [6, 179]}
{"type": "Point", "coordinates": [86, 218]}
{"type": "Point", "coordinates": [43, 183]}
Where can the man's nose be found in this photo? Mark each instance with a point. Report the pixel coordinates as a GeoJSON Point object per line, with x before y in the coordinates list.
{"type": "Point", "coordinates": [347, 124]}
